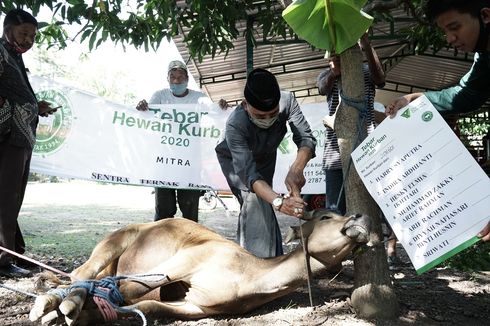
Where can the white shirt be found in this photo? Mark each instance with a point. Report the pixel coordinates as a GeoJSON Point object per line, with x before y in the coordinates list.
{"type": "Point", "coordinates": [165, 96]}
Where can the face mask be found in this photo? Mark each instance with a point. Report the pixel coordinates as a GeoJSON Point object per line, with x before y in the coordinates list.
{"type": "Point", "coordinates": [178, 89]}
{"type": "Point", "coordinates": [18, 49]}
{"type": "Point", "coordinates": [263, 123]}
{"type": "Point", "coordinates": [16, 45]}
{"type": "Point", "coordinates": [482, 42]}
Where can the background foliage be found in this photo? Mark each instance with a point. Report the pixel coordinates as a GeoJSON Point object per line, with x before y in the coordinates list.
{"type": "Point", "coordinates": [210, 25]}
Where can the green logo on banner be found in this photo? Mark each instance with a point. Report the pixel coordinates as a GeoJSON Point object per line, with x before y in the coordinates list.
{"type": "Point", "coordinates": [53, 130]}
{"type": "Point", "coordinates": [283, 146]}
{"type": "Point", "coordinates": [427, 116]}
{"type": "Point", "coordinates": [406, 114]}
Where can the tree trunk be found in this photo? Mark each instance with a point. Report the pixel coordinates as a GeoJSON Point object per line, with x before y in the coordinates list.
{"type": "Point", "coordinates": [373, 295]}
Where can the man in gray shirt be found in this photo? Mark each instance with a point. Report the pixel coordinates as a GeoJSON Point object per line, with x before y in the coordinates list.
{"type": "Point", "coordinates": [247, 155]}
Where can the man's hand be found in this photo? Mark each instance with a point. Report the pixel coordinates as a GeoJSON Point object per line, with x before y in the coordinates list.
{"type": "Point", "coordinates": [364, 41]}
{"type": "Point", "coordinates": [485, 233]}
{"type": "Point", "coordinates": [293, 206]}
{"type": "Point", "coordinates": [142, 105]}
{"type": "Point", "coordinates": [399, 103]}
{"type": "Point", "coordinates": [223, 104]}
{"type": "Point", "coordinates": [45, 108]}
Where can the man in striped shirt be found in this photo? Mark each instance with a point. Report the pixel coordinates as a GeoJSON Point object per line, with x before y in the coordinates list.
{"type": "Point", "coordinates": [329, 84]}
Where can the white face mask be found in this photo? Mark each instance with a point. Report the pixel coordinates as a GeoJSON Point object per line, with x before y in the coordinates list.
{"type": "Point", "coordinates": [263, 123]}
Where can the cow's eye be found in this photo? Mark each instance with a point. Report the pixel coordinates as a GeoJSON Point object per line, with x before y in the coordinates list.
{"type": "Point", "coordinates": [326, 217]}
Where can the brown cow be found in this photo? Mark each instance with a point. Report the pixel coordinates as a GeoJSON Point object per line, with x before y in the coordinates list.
{"type": "Point", "coordinates": [204, 273]}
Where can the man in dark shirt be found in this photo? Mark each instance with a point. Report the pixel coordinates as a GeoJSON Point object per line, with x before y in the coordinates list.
{"type": "Point", "coordinates": [466, 25]}
{"type": "Point", "coordinates": [248, 155]}
{"type": "Point", "coordinates": [19, 110]}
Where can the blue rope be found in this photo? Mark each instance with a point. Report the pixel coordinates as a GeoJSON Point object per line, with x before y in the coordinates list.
{"type": "Point", "coordinates": [95, 288]}
{"type": "Point", "coordinates": [113, 296]}
{"type": "Point", "coordinates": [362, 108]}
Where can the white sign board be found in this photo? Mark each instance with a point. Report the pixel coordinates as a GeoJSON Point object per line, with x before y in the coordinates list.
{"type": "Point", "coordinates": [431, 190]}
{"type": "Point", "coordinates": [167, 146]}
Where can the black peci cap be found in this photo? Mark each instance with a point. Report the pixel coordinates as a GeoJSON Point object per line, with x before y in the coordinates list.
{"type": "Point", "coordinates": [261, 90]}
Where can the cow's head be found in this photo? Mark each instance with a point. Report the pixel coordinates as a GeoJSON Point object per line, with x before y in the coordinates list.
{"type": "Point", "coordinates": [330, 237]}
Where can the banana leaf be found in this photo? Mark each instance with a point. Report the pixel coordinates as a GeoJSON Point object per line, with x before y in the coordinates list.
{"type": "Point", "coordinates": [332, 25]}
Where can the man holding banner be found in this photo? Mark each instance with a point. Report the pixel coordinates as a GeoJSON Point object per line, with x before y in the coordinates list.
{"type": "Point", "coordinates": [466, 25]}
{"type": "Point", "coordinates": [248, 153]}
{"type": "Point", "coordinates": [166, 198]}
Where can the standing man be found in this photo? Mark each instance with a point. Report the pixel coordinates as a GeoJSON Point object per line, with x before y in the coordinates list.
{"type": "Point", "coordinates": [19, 110]}
{"type": "Point", "coordinates": [328, 83]}
{"type": "Point", "coordinates": [467, 28]}
{"type": "Point", "coordinates": [166, 198]}
{"type": "Point", "coordinates": [248, 153]}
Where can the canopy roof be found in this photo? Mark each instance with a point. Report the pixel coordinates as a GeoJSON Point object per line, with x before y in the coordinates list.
{"type": "Point", "coordinates": [297, 65]}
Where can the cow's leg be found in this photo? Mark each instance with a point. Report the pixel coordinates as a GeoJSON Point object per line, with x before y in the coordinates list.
{"type": "Point", "coordinates": [183, 309]}
{"type": "Point", "coordinates": [73, 304]}
{"type": "Point", "coordinates": [179, 267]}
{"type": "Point", "coordinates": [46, 305]}
{"type": "Point", "coordinates": [43, 305]}
{"type": "Point", "coordinates": [106, 252]}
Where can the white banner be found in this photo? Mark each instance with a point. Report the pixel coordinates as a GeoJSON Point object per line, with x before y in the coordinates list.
{"type": "Point", "coordinates": [167, 146]}
{"type": "Point", "coordinates": [431, 190]}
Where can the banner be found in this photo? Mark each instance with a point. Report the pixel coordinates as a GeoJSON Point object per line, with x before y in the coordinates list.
{"type": "Point", "coordinates": [166, 146]}
{"type": "Point", "coordinates": [432, 191]}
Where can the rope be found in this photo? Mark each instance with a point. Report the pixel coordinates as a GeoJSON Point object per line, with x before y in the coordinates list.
{"type": "Point", "coordinates": [362, 107]}
{"type": "Point", "coordinates": [105, 308]}
{"type": "Point", "coordinates": [215, 194]}
{"type": "Point", "coordinates": [307, 265]}
{"type": "Point", "coordinates": [18, 291]}
{"type": "Point", "coordinates": [108, 297]}
{"type": "Point", "coordinates": [105, 291]}
{"type": "Point", "coordinates": [35, 262]}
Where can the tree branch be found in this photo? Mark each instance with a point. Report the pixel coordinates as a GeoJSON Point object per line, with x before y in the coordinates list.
{"type": "Point", "coordinates": [381, 5]}
{"type": "Point", "coordinates": [384, 6]}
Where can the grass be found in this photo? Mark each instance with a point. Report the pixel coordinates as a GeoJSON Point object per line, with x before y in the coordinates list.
{"type": "Point", "coordinates": [68, 233]}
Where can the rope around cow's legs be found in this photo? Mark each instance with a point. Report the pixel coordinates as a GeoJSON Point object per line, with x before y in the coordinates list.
{"type": "Point", "coordinates": [18, 291]}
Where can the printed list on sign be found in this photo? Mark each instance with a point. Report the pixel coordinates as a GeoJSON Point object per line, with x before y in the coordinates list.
{"type": "Point", "coordinates": [431, 190]}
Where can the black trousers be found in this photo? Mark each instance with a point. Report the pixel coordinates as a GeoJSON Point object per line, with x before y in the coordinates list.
{"type": "Point", "coordinates": [14, 173]}
{"type": "Point", "coordinates": [166, 203]}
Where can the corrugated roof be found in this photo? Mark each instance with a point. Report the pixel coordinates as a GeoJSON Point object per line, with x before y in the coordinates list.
{"type": "Point", "coordinates": [297, 65]}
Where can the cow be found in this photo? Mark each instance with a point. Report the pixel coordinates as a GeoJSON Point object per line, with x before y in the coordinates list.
{"type": "Point", "coordinates": [188, 271]}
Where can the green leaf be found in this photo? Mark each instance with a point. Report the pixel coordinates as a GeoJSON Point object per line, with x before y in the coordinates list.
{"type": "Point", "coordinates": [334, 28]}
{"type": "Point", "coordinates": [91, 42]}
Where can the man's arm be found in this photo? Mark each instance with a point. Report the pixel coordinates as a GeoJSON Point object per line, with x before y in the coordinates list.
{"type": "Point", "coordinates": [295, 179]}
{"type": "Point", "coordinates": [375, 67]}
{"type": "Point", "coordinates": [325, 82]}
{"type": "Point", "coordinates": [471, 92]}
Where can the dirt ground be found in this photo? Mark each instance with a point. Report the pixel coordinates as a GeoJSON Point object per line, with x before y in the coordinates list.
{"type": "Point", "coordinates": [63, 221]}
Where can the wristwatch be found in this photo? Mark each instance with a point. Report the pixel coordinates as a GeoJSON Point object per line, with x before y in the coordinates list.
{"type": "Point", "coordinates": [277, 202]}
